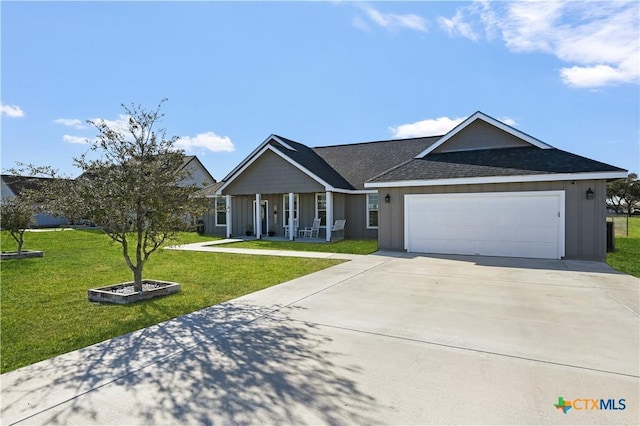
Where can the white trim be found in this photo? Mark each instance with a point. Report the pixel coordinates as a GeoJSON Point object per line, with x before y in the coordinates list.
{"type": "Point", "coordinates": [490, 120]}
{"type": "Point", "coordinates": [229, 217]}
{"type": "Point", "coordinates": [258, 211]}
{"type": "Point", "coordinates": [266, 148]}
{"type": "Point", "coordinates": [285, 207]}
{"type": "Point", "coordinates": [325, 207]}
{"type": "Point", "coordinates": [283, 143]}
{"type": "Point", "coordinates": [292, 217]}
{"type": "Point", "coordinates": [559, 193]}
{"type": "Point", "coordinates": [302, 169]}
{"type": "Point", "coordinates": [366, 209]}
{"type": "Point", "coordinates": [329, 216]}
{"type": "Point", "coordinates": [215, 209]}
{"type": "Point", "coordinates": [498, 179]}
{"type": "Point", "coordinates": [239, 166]}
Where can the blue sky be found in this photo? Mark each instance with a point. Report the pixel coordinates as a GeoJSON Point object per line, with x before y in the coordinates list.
{"type": "Point", "coordinates": [320, 73]}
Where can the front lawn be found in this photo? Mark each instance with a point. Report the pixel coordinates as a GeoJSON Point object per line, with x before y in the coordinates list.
{"type": "Point", "coordinates": [343, 246]}
{"type": "Point", "coordinates": [44, 307]}
{"type": "Point", "coordinates": [626, 258]}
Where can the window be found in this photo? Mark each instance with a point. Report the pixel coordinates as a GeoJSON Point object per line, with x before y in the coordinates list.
{"type": "Point", "coordinates": [285, 201]}
{"type": "Point", "coordinates": [372, 211]}
{"type": "Point", "coordinates": [321, 208]}
{"type": "Point", "coordinates": [221, 211]}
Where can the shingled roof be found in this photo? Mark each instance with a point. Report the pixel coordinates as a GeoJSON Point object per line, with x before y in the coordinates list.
{"type": "Point", "coordinates": [350, 166]}
{"type": "Point", "coordinates": [18, 184]}
{"type": "Point", "coordinates": [360, 162]}
{"type": "Point", "coordinates": [493, 162]}
{"type": "Point", "coordinates": [366, 165]}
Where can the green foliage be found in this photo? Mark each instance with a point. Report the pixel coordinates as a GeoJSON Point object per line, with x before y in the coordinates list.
{"type": "Point", "coordinates": [44, 304]}
{"type": "Point", "coordinates": [132, 189]}
{"type": "Point", "coordinates": [16, 214]}
{"type": "Point", "coordinates": [626, 258]}
{"type": "Point", "coordinates": [343, 246]}
{"type": "Point", "coordinates": [623, 195]}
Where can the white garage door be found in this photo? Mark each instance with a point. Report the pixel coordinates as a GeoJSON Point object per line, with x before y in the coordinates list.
{"type": "Point", "coordinates": [513, 224]}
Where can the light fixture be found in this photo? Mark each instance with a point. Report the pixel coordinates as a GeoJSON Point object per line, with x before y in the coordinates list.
{"type": "Point", "coordinates": [589, 194]}
{"type": "Point", "coordinates": [387, 198]}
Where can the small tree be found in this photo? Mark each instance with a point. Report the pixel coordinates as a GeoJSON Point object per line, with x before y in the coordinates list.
{"type": "Point", "coordinates": [133, 189]}
{"type": "Point", "coordinates": [16, 213]}
{"type": "Point", "coordinates": [624, 194]}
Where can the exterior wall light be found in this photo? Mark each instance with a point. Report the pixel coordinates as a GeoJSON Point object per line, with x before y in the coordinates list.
{"type": "Point", "coordinates": [387, 198]}
{"type": "Point", "coordinates": [589, 194]}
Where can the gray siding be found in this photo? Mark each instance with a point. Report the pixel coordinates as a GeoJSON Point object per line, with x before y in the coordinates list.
{"type": "Point", "coordinates": [480, 135]}
{"type": "Point", "coordinates": [585, 220]}
{"type": "Point", "coordinates": [270, 174]}
{"type": "Point", "coordinates": [356, 216]}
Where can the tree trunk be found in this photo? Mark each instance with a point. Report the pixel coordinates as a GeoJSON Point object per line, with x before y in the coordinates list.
{"type": "Point", "coordinates": [20, 243]}
{"type": "Point", "coordinates": [137, 278]}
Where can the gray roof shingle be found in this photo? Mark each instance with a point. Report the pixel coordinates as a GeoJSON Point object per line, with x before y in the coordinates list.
{"type": "Point", "coordinates": [493, 162]}
{"type": "Point", "coordinates": [360, 162]}
{"type": "Point", "coordinates": [350, 166]}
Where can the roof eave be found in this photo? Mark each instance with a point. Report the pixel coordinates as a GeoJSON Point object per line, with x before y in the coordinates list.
{"type": "Point", "coordinates": [499, 179]}
{"type": "Point", "coordinates": [490, 120]}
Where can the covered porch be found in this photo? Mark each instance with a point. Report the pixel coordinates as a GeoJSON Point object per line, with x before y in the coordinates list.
{"type": "Point", "coordinates": [280, 217]}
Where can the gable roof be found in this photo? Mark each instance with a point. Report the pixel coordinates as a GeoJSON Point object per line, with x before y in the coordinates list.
{"type": "Point", "coordinates": [478, 115]}
{"type": "Point", "coordinates": [18, 184]}
{"type": "Point", "coordinates": [506, 164]}
{"type": "Point", "coordinates": [338, 167]}
{"type": "Point", "coordinates": [192, 159]}
{"type": "Point", "coordinates": [418, 161]}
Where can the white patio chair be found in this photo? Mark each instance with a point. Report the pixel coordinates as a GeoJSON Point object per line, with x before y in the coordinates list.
{"type": "Point", "coordinates": [338, 226]}
{"type": "Point", "coordinates": [312, 232]}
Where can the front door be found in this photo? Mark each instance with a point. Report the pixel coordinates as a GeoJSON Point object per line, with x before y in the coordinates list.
{"type": "Point", "coordinates": [264, 216]}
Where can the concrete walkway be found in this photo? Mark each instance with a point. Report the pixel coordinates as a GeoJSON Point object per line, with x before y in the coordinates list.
{"type": "Point", "coordinates": [213, 247]}
{"type": "Point", "coordinates": [383, 339]}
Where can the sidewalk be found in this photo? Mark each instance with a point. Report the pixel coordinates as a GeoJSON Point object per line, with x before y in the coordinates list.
{"type": "Point", "coordinates": [210, 246]}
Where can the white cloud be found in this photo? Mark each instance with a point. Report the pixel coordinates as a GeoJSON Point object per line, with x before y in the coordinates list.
{"type": "Point", "coordinates": [599, 40]}
{"type": "Point", "coordinates": [434, 127]}
{"type": "Point", "coordinates": [70, 122]}
{"type": "Point", "coordinates": [75, 139]}
{"type": "Point", "coordinates": [456, 25]}
{"type": "Point", "coordinates": [508, 121]}
{"type": "Point", "coordinates": [208, 140]}
{"type": "Point", "coordinates": [430, 127]}
{"type": "Point", "coordinates": [120, 124]}
{"type": "Point", "coordinates": [391, 21]}
{"type": "Point", "coordinates": [12, 111]}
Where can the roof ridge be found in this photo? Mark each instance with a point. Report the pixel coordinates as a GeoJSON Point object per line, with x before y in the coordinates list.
{"type": "Point", "coordinates": [376, 141]}
{"type": "Point", "coordinates": [390, 170]}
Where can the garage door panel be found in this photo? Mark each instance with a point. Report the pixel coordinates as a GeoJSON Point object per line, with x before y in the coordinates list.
{"type": "Point", "coordinates": [493, 224]}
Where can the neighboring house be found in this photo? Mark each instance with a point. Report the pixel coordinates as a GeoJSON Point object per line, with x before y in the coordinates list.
{"type": "Point", "coordinates": [484, 188]}
{"type": "Point", "coordinates": [13, 186]}
{"type": "Point", "coordinates": [199, 175]}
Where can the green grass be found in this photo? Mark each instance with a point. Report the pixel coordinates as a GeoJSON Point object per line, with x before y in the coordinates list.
{"type": "Point", "coordinates": [343, 246]}
{"type": "Point", "coordinates": [44, 307]}
{"type": "Point", "coordinates": [626, 258]}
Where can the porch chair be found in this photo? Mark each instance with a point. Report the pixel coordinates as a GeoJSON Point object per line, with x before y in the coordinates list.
{"type": "Point", "coordinates": [295, 229]}
{"type": "Point", "coordinates": [339, 226]}
{"type": "Point", "coordinates": [313, 232]}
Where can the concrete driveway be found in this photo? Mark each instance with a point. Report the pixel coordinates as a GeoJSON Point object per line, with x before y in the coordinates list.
{"type": "Point", "coordinates": [382, 339]}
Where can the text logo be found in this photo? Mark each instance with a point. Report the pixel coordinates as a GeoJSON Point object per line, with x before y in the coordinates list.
{"type": "Point", "coordinates": [590, 404]}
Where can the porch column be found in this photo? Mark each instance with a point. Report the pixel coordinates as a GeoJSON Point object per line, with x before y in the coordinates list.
{"type": "Point", "coordinates": [291, 216]}
{"type": "Point", "coordinates": [258, 218]}
{"type": "Point", "coordinates": [229, 224]}
{"type": "Point", "coordinates": [329, 196]}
